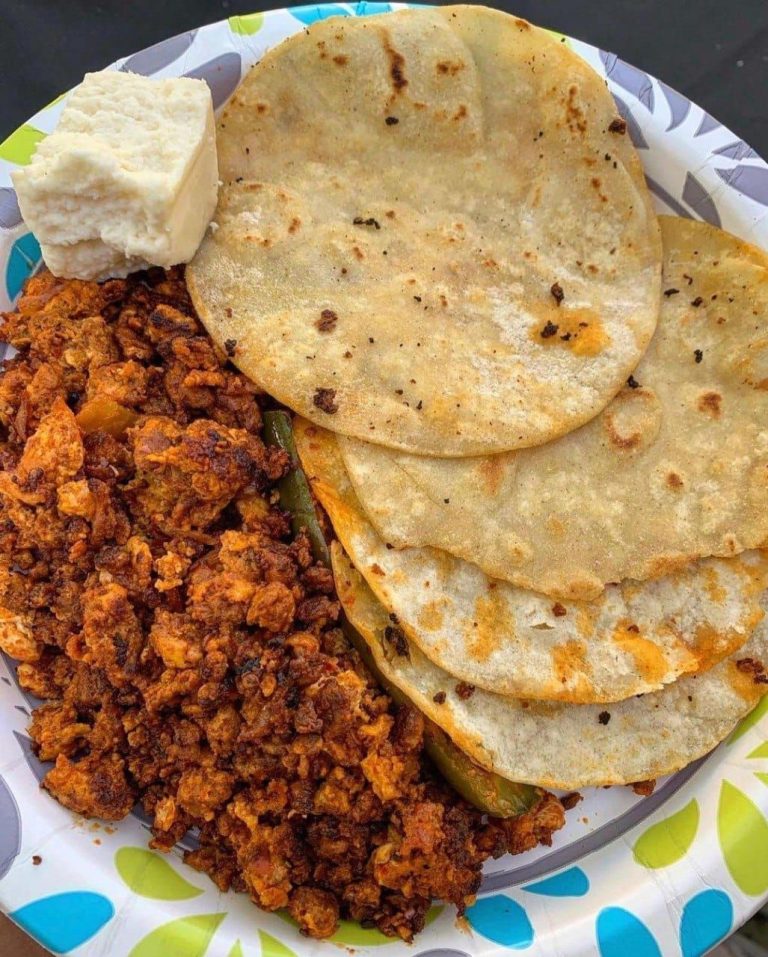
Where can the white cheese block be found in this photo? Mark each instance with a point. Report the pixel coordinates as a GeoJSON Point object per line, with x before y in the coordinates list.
{"type": "Point", "coordinates": [127, 180]}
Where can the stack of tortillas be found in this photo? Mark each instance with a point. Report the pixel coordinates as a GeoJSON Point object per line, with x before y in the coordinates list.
{"type": "Point", "coordinates": [536, 416]}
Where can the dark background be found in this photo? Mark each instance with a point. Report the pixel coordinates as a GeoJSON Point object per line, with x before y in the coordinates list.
{"type": "Point", "coordinates": [714, 51]}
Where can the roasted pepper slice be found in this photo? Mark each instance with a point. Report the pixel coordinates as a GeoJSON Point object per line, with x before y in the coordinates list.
{"type": "Point", "coordinates": [488, 792]}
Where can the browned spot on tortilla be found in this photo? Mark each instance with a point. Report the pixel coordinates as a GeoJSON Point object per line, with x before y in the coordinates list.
{"type": "Point", "coordinates": [390, 214]}
{"type": "Point", "coordinates": [359, 254]}
{"type": "Point", "coordinates": [674, 481]}
{"type": "Point", "coordinates": [709, 403]}
{"type": "Point", "coordinates": [555, 526]}
{"type": "Point", "coordinates": [522, 24]}
{"type": "Point", "coordinates": [396, 64]}
{"type": "Point", "coordinates": [449, 68]}
{"type": "Point", "coordinates": [712, 586]}
{"type": "Point", "coordinates": [253, 187]}
{"type": "Point", "coordinates": [632, 420]}
{"type": "Point", "coordinates": [569, 662]}
{"type": "Point", "coordinates": [491, 471]}
{"type": "Point", "coordinates": [327, 321]}
{"type": "Point", "coordinates": [431, 615]}
{"type": "Point", "coordinates": [491, 617]}
{"type": "Point", "coordinates": [666, 565]}
{"type": "Point", "coordinates": [574, 115]}
{"type": "Point", "coordinates": [743, 684]}
{"type": "Point", "coordinates": [295, 224]}
{"type": "Point", "coordinates": [460, 113]}
{"type": "Point", "coordinates": [341, 59]}
{"type": "Point", "coordinates": [649, 660]}
{"type": "Point", "coordinates": [376, 569]}
{"type": "Point", "coordinates": [262, 108]}
{"type": "Point", "coordinates": [579, 330]}
{"type": "Point", "coordinates": [596, 185]}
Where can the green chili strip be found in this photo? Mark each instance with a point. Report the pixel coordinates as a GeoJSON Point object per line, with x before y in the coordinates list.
{"type": "Point", "coordinates": [488, 792]}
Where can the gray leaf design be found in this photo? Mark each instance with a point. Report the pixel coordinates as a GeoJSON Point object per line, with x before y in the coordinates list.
{"type": "Point", "coordinates": [190, 841]}
{"type": "Point", "coordinates": [679, 105]}
{"type": "Point", "coordinates": [154, 58]}
{"type": "Point", "coordinates": [635, 133]}
{"type": "Point", "coordinates": [752, 181]}
{"type": "Point", "coordinates": [10, 664]}
{"type": "Point", "coordinates": [629, 78]}
{"type": "Point", "coordinates": [442, 952]}
{"type": "Point", "coordinates": [10, 829]}
{"type": "Point", "coordinates": [10, 214]}
{"type": "Point", "coordinates": [737, 150]}
{"type": "Point", "coordinates": [708, 123]}
{"type": "Point", "coordinates": [222, 74]}
{"type": "Point", "coordinates": [700, 201]}
{"type": "Point", "coordinates": [609, 61]}
{"type": "Point", "coordinates": [36, 766]}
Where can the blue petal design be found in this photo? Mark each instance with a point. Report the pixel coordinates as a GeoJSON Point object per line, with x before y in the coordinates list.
{"type": "Point", "coordinates": [635, 133]}
{"type": "Point", "coordinates": [366, 9]}
{"type": "Point", "coordinates": [708, 123]}
{"type": "Point", "coordinates": [571, 883]}
{"type": "Point", "coordinates": [24, 257]}
{"type": "Point", "coordinates": [10, 214]}
{"type": "Point", "coordinates": [629, 78]}
{"type": "Point", "coordinates": [10, 829]}
{"type": "Point", "coordinates": [699, 200]}
{"type": "Point", "coordinates": [737, 150]}
{"type": "Point", "coordinates": [222, 74]}
{"type": "Point", "coordinates": [154, 58]}
{"type": "Point", "coordinates": [679, 106]}
{"type": "Point", "coordinates": [752, 181]}
{"type": "Point", "coordinates": [309, 14]}
{"type": "Point", "coordinates": [65, 921]}
{"type": "Point", "coordinates": [621, 934]}
{"type": "Point", "coordinates": [501, 920]}
{"type": "Point", "coordinates": [707, 919]}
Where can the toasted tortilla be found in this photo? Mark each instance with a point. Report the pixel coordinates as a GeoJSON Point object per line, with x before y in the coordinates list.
{"type": "Point", "coordinates": [560, 745]}
{"type": "Point", "coordinates": [411, 202]}
{"type": "Point", "coordinates": [634, 638]}
{"type": "Point", "coordinates": [675, 468]}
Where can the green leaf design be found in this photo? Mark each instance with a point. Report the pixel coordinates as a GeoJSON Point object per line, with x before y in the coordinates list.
{"type": "Point", "coordinates": [272, 947]}
{"type": "Point", "coordinates": [150, 875]}
{"type": "Point", "coordinates": [743, 833]}
{"type": "Point", "coordinates": [751, 720]}
{"type": "Point", "coordinates": [761, 751]}
{"type": "Point", "coordinates": [237, 949]}
{"type": "Point", "coordinates": [761, 777]}
{"type": "Point", "coordinates": [247, 25]}
{"type": "Point", "coordinates": [668, 840]}
{"type": "Point", "coordinates": [352, 934]}
{"type": "Point", "coordinates": [185, 937]}
{"type": "Point", "coordinates": [21, 144]}
{"type": "Point", "coordinates": [560, 37]}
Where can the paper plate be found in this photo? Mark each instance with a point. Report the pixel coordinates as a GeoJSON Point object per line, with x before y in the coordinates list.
{"type": "Point", "coordinates": [628, 877]}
